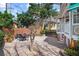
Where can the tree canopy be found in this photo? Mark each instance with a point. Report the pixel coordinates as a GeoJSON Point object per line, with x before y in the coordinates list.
{"type": "Point", "coordinates": [25, 19]}
{"type": "Point", "coordinates": [42, 11]}
{"type": "Point", "coordinates": [6, 19]}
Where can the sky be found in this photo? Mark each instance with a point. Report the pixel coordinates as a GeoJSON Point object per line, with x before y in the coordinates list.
{"type": "Point", "coordinates": [15, 7]}
{"type": "Point", "coordinates": [56, 6]}
{"type": "Point", "coordinates": [20, 7]}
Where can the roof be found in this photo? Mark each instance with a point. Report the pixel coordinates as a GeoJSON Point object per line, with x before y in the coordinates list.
{"type": "Point", "coordinates": [72, 6]}
{"type": "Point", "coordinates": [21, 31]}
{"type": "Point", "coordinates": [7, 30]}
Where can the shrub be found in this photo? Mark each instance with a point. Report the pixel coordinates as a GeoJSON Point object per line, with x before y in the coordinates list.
{"type": "Point", "coordinates": [9, 37]}
{"type": "Point", "coordinates": [52, 32]}
{"type": "Point", "coordinates": [1, 38]}
{"type": "Point", "coordinates": [1, 33]}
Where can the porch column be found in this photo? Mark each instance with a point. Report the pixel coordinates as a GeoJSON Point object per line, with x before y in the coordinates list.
{"type": "Point", "coordinates": [70, 25]}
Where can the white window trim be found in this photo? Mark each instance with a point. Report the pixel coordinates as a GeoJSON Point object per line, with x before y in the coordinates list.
{"type": "Point", "coordinates": [76, 24]}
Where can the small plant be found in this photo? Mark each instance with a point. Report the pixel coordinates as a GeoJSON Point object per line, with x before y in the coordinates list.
{"type": "Point", "coordinates": [42, 32]}
{"type": "Point", "coordinates": [71, 52]}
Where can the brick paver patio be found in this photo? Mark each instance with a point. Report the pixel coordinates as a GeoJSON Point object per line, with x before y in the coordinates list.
{"type": "Point", "coordinates": [43, 46]}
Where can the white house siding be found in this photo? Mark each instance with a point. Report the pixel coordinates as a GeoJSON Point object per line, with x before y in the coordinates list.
{"type": "Point", "coordinates": [66, 27]}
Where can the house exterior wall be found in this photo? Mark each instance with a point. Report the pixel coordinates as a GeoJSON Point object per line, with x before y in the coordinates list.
{"type": "Point", "coordinates": [69, 29]}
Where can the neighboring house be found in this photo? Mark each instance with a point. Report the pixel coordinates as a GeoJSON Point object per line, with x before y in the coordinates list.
{"type": "Point", "coordinates": [50, 23]}
{"type": "Point", "coordinates": [69, 23]}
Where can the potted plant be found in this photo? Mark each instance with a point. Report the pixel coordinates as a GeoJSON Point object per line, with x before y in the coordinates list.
{"type": "Point", "coordinates": [1, 38]}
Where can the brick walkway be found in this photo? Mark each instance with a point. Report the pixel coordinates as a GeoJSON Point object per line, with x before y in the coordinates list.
{"type": "Point", "coordinates": [41, 47]}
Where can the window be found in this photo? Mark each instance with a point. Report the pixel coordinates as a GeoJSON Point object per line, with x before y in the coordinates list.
{"type": "Point", "coordinates": [76, 29]}
{"type": "Point", "coordinates": [76, 16]}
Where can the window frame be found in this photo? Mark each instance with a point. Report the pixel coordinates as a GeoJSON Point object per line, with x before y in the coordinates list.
{"type": "Point", "coordinates": [74, 23]}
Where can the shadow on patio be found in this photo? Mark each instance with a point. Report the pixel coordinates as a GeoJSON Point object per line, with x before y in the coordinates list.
{"type": "Point", "coordinates": [54, 42]}
{"type": "Point", "coordinates": [1, 48]}
{"type": "Point", "coordinates": [1, 52]}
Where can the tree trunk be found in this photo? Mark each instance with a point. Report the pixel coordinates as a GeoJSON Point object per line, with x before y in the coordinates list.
{"type": "Point", "coordinates": [32, 37]}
